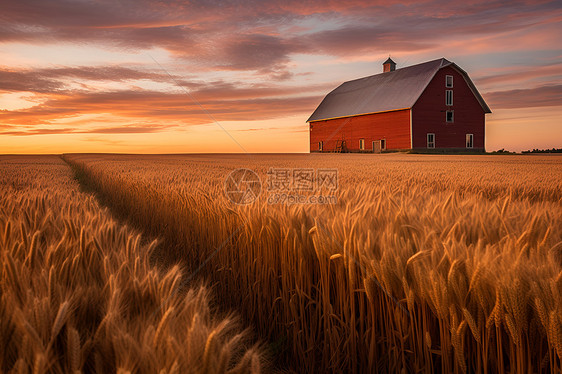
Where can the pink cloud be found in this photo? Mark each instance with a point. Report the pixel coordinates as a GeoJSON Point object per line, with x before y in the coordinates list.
{"type": "Point", "coordinates": [543, 96]}
{"type": "Point", "coordinates": [232, 35]}
{"type": "Point", "coordinates": [256, 41]}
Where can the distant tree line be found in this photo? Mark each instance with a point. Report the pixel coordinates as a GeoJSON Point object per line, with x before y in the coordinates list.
{"type": "Point", "coordinates": [503, 151]}
{"type": "Point", "coordinates": [553, 150]}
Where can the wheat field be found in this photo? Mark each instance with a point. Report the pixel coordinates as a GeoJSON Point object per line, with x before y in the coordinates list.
{"type": "Point", "coordinates": [426, 263]}
{"type": "Point", "coordinates": [79, 292]}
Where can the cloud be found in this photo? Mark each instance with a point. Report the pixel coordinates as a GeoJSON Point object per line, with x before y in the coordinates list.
{"type": "Point", "coordinates": [254, 52]}
{"type": "Point", "coordinates": [134, 129]}
{"type": "Point", "coordinates": [543, 96]}
{"type": "Point", "coordinates": [252, 35]}
{"type": "Point", "coordinates": [126, 129]}
{"type": "Point", "coordinates": [244, 55]}
{"type": "Point", "coordinates": [30, 81]}
{"type": "Point", "coordinates": [55, 80]}
{"type": "Point", "coordinates": [58, 99]}
{"type": "Point", "coordinates": [227, 104]}
{"type": "Point", "coordinates": [37, 132]}
{"type": "Point", "coordinates": [297, 129]}
{"type": "Point", "coordinates": [520, 74]}
{"type": "Point", "coordinates": [360, 39]}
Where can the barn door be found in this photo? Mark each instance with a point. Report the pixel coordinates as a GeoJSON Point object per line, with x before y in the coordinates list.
{"type": "Point", "coordinates": [376, 146]}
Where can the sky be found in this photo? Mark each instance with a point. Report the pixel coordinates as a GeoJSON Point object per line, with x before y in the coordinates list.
{"type": "Point", "coordinates": [147, 76]}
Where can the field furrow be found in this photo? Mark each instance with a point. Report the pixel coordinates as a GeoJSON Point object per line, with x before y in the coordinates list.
{"type": "Point", "coordinates": [79, 294]}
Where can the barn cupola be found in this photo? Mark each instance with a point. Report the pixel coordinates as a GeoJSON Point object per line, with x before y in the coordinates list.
{"type": "Point", "coordinates": [388, 65]}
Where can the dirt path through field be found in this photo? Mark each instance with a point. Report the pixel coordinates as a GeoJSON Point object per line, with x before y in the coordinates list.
{"type": "Point", "coordinates": [79, 292]}
{"type": "Point", "coordinates": [165, 256]}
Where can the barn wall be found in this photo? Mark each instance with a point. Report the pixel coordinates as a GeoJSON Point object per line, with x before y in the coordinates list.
{"type": "Point", "coordinates": [428, 114]}
{"type": "Point", "coordinates": [392, 126]}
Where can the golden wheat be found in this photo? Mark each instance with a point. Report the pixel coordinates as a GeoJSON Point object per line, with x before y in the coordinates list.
{"type": "Point", "coordinates": [341, 287]}
{"type": "Point", "coordinates": [78, 292]}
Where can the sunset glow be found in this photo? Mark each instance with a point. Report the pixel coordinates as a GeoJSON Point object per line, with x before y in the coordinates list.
{"type": "Point", "coordinates": [223, 76]}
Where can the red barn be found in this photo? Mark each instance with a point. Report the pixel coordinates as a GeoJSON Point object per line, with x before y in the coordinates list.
{"type": "Point", "coordinates": [433, 105]}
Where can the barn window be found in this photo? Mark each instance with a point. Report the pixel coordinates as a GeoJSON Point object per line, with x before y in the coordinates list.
{"type": "Point", "coordinates": [383, 144]}
{"type": "Point", "coordinates": [430, 140]}
{"type": "Point", "coordinates": [449, 81]}
{"type": "Point", "coordinates": [469, 140]}
{"type": "Point", "coordinates": [320, 146]}
{"type": "Point", "coordinates": [362, 144]}
{"type": "Point", "coordinates": [450, 116]}
{"type": "Point", "coordinates": [449, 97]}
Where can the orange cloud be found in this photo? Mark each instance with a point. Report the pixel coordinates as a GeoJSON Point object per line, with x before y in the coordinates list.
{"type": "Point", "coordinates": [158, 106]}
{"type": "Point", "coordinates": [125, 129]}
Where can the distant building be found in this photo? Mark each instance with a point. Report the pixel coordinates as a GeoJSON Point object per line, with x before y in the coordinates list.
{"type": "Point", "coordinates": [433, 105]}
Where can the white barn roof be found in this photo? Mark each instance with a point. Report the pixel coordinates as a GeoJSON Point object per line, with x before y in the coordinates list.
{"type": "Point", "coordinates": [398, 89]}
